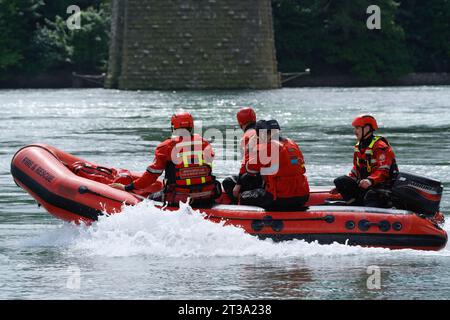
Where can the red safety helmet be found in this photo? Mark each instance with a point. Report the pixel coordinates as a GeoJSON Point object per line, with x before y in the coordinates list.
{"type": "Point", "coordinates": [365, 119]}
{"type": "Point", "coordinates": [245, 116]}
{"type": "Point", "coordinates": [183, 120]}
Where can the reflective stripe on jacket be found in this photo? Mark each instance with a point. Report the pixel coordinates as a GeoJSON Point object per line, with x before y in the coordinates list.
{"type": "Point", "coordinates": [187, 161]}
{"type": "Point", "coordinates": [376, 162]}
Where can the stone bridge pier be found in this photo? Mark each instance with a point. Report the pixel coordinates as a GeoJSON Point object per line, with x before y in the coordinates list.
{"type": "Point", "coordinates": [192, 44]}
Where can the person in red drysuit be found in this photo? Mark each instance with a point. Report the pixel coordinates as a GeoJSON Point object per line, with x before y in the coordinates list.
{"type": "Point", "coordinates": [234, 185]}
{"type": "Point", "coordinates": [186, 159]}
{"type": "Point", "coordinates": [286, 186]}
{"type": "Point", "coordinates": [374, 167]}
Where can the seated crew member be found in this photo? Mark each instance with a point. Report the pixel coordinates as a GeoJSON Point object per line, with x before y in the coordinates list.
{"type": "Point", "coordinates": [233, 185]}
{"type": "Point", "coordinates": [186, 159]}
{"type": "Point", "coordinates": [374, 167]}
{"type": "Point", "coordinates": [281, 165]}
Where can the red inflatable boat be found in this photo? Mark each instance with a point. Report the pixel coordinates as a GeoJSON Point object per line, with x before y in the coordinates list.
{"type": "Point", "coordinates": [75, 190]}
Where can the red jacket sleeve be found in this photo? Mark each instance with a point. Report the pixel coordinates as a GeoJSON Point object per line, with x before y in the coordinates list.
{"type": "Point", "coordinates": [248, 145]}
{"type": "Point", "coordinates": [208, 152]}
{"type": "Point", "coordinates": [162, 156]}
{"type": "Point", "coordinates": [354, 172]}
{"type": "Point", "coordinates": [383, 157]}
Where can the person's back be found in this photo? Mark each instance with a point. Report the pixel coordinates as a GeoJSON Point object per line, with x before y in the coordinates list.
{"type": "Point", "coordinates": [281, 164]}
{"type": "Point", "coordinates": [186, 159]}
{"type": "Point", "coordinates": [189, 172]}
{"type": "Point", "coordinates": [290, 180]}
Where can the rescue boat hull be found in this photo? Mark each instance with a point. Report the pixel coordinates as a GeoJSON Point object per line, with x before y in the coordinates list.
{"type": "Point", "coordinates": [44, 172]}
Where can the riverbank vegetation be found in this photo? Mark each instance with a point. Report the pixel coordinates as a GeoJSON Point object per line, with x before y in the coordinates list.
{"type": "Point", "coordinates": [331, 37]}
{"type": "Point", "coordinates": [34, 37]}
{"type": "Point", "coordinates": [328, 36]}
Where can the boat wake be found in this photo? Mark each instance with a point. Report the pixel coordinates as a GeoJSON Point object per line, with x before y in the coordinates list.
{"type": "Point", "coordinates": [146, 230]}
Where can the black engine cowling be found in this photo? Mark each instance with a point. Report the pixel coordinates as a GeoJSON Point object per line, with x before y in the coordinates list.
{"type": "Point", "coordinates": [418, 194]}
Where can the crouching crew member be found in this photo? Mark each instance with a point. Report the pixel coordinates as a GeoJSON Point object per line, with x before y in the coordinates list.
{"type": "Point", "coordinates": [186, 159]}
{"type": "Point", "coordinates": [374, 167]}
{"type": "Point", "coordinates": [282, 167]}
{"type": "Point", "coordinates": [236, 184]}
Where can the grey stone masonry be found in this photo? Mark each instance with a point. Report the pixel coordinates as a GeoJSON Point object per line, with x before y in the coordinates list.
{"type": "Point", "coordinates": [192, 44]}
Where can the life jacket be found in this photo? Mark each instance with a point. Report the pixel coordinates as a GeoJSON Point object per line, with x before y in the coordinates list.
{"type": "Point", "coordinates": [364, 160]}
{"type": "Point", "coordinates": [289, 180]}
{"type": "Point", "coordinates": [190, 174]}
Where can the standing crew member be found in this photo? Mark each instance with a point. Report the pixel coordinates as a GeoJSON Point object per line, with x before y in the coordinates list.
{"type": "Point", "coordinates": [374, 167]}
{"type": "Point", "coordinates": [234, 185]}
{"type": "Point", "coordinates": [281, 164]}
{"type": "Point", "coordinates": [186, 159]}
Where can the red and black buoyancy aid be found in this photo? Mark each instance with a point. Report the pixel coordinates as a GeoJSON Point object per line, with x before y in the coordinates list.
{"type": "Point", "coordinates": [189, 174]}
{"type": "Point", "coordinates": [284, 176]}
{"type": "Point", "coordinates": [366, 162]}
{"type": "Point", "coordinates": [290, 180]}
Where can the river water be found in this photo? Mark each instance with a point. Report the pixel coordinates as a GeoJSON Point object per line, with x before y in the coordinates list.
{"type": "Point", "coordinates": [147, 254]}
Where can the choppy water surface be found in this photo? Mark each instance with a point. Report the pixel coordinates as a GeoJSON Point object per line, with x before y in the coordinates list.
{"type": "Point", "coordinates": [147, 254]}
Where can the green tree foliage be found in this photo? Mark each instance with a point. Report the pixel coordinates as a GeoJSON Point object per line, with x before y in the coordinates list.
{"type": "Point", "coordinates": [85, 49]}
{"type": "Point", "coordinates": [427, 28]}
{"type": "Point", "coordinates": [51, 47]}
{"type": "Point", "coordinates": [298, 30]}
{"type": "Point", "coordinates": [17, 19]}
{"type": "Point", "coordinates": [34, 37]}
{"type": "Point", "coordinates": [55, 8]}
{"type": "Point", "coordinates": [90, 44]}
{"type": "Point", "coordinates": [331, 36]}
{"type": "Point", "coordinates": [328, 36]}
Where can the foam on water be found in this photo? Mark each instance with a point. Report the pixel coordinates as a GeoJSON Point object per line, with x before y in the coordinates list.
{"type": "Point", "coordinates": [146, 230]}
{"type": "Point", "coordinates": [149, 231]}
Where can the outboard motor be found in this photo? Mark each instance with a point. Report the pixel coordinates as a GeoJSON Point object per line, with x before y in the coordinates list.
{"type": "Point", "coordinates": [418, 194]}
